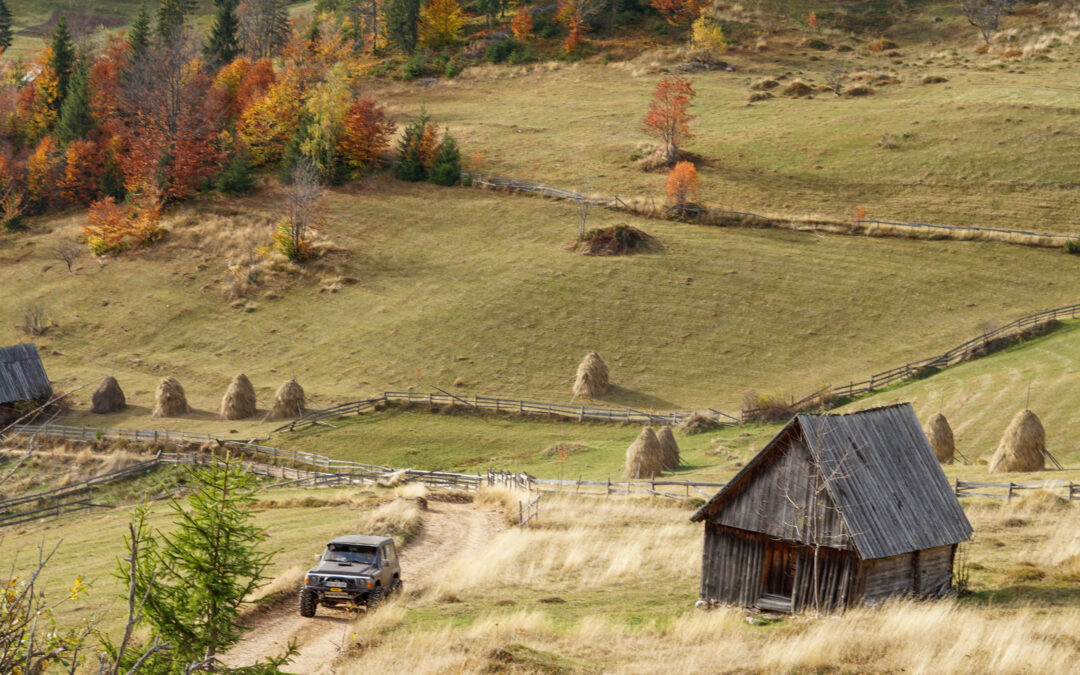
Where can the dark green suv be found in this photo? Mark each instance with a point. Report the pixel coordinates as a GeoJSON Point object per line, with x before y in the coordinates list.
{"type": "Point", "coordinates": [354, 570]}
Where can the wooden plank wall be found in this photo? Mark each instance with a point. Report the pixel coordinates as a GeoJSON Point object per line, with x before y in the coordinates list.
{"type": "Point", "coordinates": [936, 571]}
{"type": "Point", "coordinates": [886, 577]}
{"type": "Point", "coordinates": [836, 579]}
{"type": "Point", "coordinates": [731, 566]}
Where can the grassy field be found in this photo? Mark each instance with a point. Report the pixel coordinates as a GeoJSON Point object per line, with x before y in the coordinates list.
{"type": "Point", "coordinates": [296, 523]}
{"type": "Point", "coordinates": [993, 146]}
{"type": "Point", "coordinates": [609, 585]}
{"type": "Point", "coordinates": [485, 291]}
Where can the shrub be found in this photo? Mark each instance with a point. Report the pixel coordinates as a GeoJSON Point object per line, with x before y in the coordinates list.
{"type": "Point", "coordinates": [237, 178]}
{"type": "Point", "coordinates": [413, 67]}
{"type": "Point", "coordinates": [1072, 246]}
{"type": "Point", "coordinates": [112, 228]}
{"type": "Point", "coordinates": [499, 51]}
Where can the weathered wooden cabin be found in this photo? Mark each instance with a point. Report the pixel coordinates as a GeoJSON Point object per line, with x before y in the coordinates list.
{"type": "Point", "coordinates": [860, 499]}
{"type": "Point", "coordinates": [22, 378]}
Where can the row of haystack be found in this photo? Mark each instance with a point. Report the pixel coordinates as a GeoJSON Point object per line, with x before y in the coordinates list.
{"type": "Point", "coordinates": [652, 453]}
{"type": "Point", "coordinates": [1022, 447]}
{"type": "Point", "coordinates": [171, 400]}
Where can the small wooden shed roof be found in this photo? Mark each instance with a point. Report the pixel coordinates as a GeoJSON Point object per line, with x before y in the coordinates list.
{"type": "Point", "coordinates": [885, 481]}
{"type": "Point", "coordinates": [22, 376]}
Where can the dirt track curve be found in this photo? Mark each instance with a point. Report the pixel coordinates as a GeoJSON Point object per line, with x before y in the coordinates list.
{"type": "Point", "coordinates": [449, 530]}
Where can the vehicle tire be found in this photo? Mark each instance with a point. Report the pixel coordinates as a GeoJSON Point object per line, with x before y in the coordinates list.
{"type": "Point", "coordinates": [395, 586]}
{"type": "Point", "coordinates": [308, 602]}
{"type": "Point", "coordinates": [374, 598]}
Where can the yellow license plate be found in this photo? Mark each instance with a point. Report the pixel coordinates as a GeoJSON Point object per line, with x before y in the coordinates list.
{"type": "Point", "coordinates": [336, 590]}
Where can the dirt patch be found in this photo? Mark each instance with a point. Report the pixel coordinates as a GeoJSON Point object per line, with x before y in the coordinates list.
{"type": "Point", "coordinates": [449, 531]}
{"type": "Point", "coordinates": [79, 23]}
{"type": "Point", "coordinates": [615, 240]}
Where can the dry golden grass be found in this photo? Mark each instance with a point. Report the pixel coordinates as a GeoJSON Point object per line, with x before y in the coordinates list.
{"type": "Point", "coordinates": [399, 519]}
{"type": "Point", "coordinates": [589, 547]}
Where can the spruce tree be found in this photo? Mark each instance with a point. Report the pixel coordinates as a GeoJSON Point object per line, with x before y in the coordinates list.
{"type": "Point", "coordinates": [224, 44]}
{"type": "Point", "coordinates": [170, 19]}
{"type": "Point", "coordinates": [447, 167]}
{"type": "Point", "coordinates": [112, 178]}
{"type": "Point", "coordinates": [63, 59]}
{"type": "Point", "coordinates": [410, 165]}
{"type": "Point", "coordinates": [196, 577]}
{"type": "Point", "coordinates": [402, 23]}
{"type": "Point", "coordinates": [139, 35]}
{"type": "Point", "coordinates": [75, 117]}
{"type": "Point", "coordinates": [5, 25]}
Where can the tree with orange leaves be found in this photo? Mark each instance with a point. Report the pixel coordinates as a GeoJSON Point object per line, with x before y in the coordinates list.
{"type": "Point", "coordinates": [522, 23]}
{"type": "Point", "coordinates": [682, 186]}
{"type": "Point", "coordinates": [367, 133]}
{"type": "Point", "coordinates": [679, 13]}
{"type": "Point", "coordinates": [41, 170]}
{"type": "Point", "coordinates": [258, 80]}
{"type": "Point", "coordinates": [668, 118]}
{"type": "Point", "coordinates": [575, 14]}
{"type": "Point", "coordinates": [84, 165]}
{"type": "Point", "coordinates": [112, 227]}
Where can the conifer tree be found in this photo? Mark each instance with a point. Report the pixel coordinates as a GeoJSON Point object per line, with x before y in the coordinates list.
{"type": "Point", "coordinates": [402, 23]}
{"type": "Point", "coordinates": [75, 117]}
{"type": "Point", "coordinates": [224, 44]}
{"type": "Point", "coordinates": [139, 35]}
{"type": "Point", "coordinates": [447, 167]}
{"type": "Point", "coordinates": [199, 574]}
{"type": "Point", "coordinates": [63, 59]}
{"type": "Point", "coordinates": [170, 18]}
{"type": "Point", "coordinates": [5, 25]}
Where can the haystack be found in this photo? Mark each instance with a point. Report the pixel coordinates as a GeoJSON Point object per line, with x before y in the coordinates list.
{"type": "Point", "coordinates": [669, 449]}
{"type": "Point", "coordinates": [592, 377]}
{"type": "Point", "coordinates": [108, 397]}
{"type": "Point", "coordinates": [1023, 446]}
{"type": "Point", "coordinates": [288, 401]}
{"type": "Point", "coordinates": [239, 400]}
{"type": "Point", "coordinates": [644, 457]}
{"type": "Point", "coordinates": [939, 433]}
{"type": "Point", "coordinates": [171, 400]}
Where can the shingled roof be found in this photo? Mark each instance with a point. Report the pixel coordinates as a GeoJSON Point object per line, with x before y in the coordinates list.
{"type": "Point", "coordinates": [885, 480]}
{"type": "Point", "coordinates": [21, 374]}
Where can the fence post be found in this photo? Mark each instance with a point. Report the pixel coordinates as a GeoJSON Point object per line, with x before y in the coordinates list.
{"type": "Point", "coordinates": [608, 492]}
{"type": "Point", "coordinates": [521, 514]}
{"type": "Point", "coordinates": [581, 414]}
{"type": "Point", "coordinates": [1008, 497]}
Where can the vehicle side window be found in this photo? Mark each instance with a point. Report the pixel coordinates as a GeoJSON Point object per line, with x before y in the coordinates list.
{"type": "Point", "coordinates": [388, 553]}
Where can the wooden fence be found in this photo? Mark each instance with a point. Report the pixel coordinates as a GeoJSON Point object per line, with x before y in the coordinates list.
{"type": "Point", "coordinates": [301, 475]}
{"type": "Point", "coordinates": [699, 214]}
{"type": "Point", "coordinates": [1007, 491]}
{"type": "Point", "coordinates": [529, 512]}
{"type": "Point", "coordinates": [504, 405]}
{"type": "Point", "coordinates": [977, 346]}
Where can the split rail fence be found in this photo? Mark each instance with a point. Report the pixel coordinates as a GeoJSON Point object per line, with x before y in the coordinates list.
{"type": "Point", "coordinates": [571, 412]}
{"type": "Point", "coordinates": [1007, 491]}
{"type": "Point", "coordinates": [724, 217]}
{"type": "Point", "coordinates": [305, 470]}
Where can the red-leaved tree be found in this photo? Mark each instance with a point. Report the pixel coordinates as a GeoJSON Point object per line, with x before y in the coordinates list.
{"type": "Point", "coordinates": [367, 133]}
{"type": "Point", "coordinates": [668, 118]}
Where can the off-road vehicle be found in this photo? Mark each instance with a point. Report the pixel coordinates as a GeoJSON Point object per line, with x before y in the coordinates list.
{"type": "Point", "coordinates": [354, 570]}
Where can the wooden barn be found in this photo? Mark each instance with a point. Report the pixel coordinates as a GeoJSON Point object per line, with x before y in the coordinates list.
{"type": "Point", "coordinates": [22, 378]}
{"type": "Point", "coordinates": [846, 509]}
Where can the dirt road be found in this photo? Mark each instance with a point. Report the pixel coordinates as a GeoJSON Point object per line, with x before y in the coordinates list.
{"type": "Point", "coordinates": [449, 531]}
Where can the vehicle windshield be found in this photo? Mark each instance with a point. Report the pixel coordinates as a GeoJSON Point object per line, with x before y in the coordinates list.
{"type": "Point", "coordinates": [350, 553]}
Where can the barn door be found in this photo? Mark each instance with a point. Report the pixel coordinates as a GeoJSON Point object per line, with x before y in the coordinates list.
{"type": "Point", "coordinates": [778, 584]}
